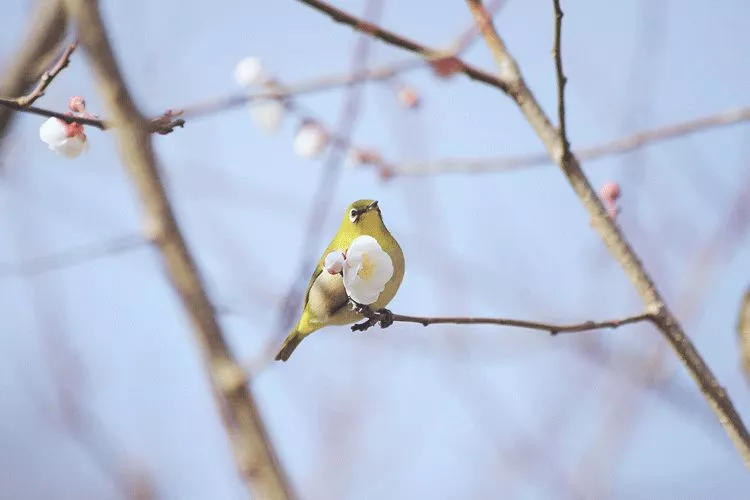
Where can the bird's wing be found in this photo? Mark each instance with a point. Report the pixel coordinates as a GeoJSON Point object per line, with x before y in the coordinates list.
{"type": "Point", "coordinates": [315, 275]}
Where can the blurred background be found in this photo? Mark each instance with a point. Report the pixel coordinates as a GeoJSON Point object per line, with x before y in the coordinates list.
{"type": "Point", "coordinates": [103, 389]}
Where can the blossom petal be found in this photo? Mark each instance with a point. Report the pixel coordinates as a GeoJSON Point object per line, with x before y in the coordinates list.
{"type": "Point", "coordinates": [268, 115]}
{"type": "Point", "coordinates": [72, 147]}
{"type": "Point", "coordinates": [53, 132]}
{"type": "Point", "coordinates": [310, 141]}
{"type": "Point", "coordinates": [367, 270]}
{"type": "Point", "coordinates": [249, 71]}
{"type": "Point", "coordinates": [334, 262]}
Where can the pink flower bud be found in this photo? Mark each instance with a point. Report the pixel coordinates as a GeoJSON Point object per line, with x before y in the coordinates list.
{"type": "Point", "coordinates": [610, 191]}
{"type": "Point", "coordinates": [334, 262]}
{"type": "Point", "coordinates": [408, 97]}
{"type": "Point", "coordinates": [446, 66]}
{"type": "Point", "coordinates": [358, 156]}
{"type": "Point", "coordinates": [77, 104]}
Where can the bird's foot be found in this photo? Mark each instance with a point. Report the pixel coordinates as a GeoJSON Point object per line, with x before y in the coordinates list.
{"type": "Point", "coordinates": [364, 310]}
{"type": "Point", "coordinates": [365, 325]}
{"type": "Point", "coordinates": [385, 317]}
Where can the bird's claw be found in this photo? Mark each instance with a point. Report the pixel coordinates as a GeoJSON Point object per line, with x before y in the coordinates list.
{"type": "Point", "coordinates": [385, 317]}
{"type": "Point", "coordinates": [364, 326]}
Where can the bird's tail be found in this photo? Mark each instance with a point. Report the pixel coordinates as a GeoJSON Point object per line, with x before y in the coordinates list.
{"type": "Point", "coordinates": [289, 345]}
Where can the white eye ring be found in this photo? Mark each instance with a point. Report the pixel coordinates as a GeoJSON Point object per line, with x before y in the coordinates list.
{"type": "Point", "coordinates": [353, 215]}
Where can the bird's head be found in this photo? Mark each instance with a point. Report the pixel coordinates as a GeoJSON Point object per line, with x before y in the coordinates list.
{"type": "Point", "coordinates": [363, 214]}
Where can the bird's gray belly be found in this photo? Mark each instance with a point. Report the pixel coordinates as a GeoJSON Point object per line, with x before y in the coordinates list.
{"type": "Point", "coordinates": [327, 296]}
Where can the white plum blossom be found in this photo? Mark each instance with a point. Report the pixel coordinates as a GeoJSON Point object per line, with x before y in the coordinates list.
{"type": "Point", "coordinates": [67, 139]}
{"type": "Point", "coordinates": [249, 71]}
{"type": "Point", "coordinates": [310, 141]}
{"type": "Point", "coordinates": [367, 269]}
{"type": "Point", "coordinates": [334, 262]}
{"type": "Point", "coordinates": [268, 114]}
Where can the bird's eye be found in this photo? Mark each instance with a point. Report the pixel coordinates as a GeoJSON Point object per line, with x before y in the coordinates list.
{"type": "Point", "coordinates": [353, 215]}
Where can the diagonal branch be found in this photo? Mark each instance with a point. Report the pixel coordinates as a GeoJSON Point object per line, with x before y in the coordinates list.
{"type": "Point", "coordinates": [608, 230]}
{"type": "Point", "coordinates": [743, 334]}
{"type": "Point", "coordinates": [615, 147]}
{"type": "Point", "coordinates": [254, 455]}
{"type": "Point", "coordinates": [46, 79]}
{"type": "Point", "coordinates": [45, 35]}
{"type": "Point", "coordinates": [402, 42]}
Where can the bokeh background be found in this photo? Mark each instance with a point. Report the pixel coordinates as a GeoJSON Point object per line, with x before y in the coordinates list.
{"type": "Point", "coordinates": [103, 391]}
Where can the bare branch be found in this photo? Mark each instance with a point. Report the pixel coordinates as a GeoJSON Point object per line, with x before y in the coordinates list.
{"type": "Point", "coordinates": [743, 333]}
{"type": "Point", "coordinates": [46, 33]}
{"type": "Point", "coordinates": [73, 256]}
{"type": "Point", "coordinates": [254, 455]}
{"type": "Point", "coordinates": [216, 105]}
{"type": "Point", "coordinates": [618, 146]}
{"type": "Point", "coordinates": [402, 42]}
{"type": "Point", "coordinates": [467, 37]}
{"type": "Point", "coordinates": [46, 79]}
{"type": "Point", "coordinates": [162, 124]}
{"type": "Point", "coordinates": [612, 237]}
{"type": "Point", "coordinates": [561, 79]}
{"type": "Point", "coordinates": [385, 318]}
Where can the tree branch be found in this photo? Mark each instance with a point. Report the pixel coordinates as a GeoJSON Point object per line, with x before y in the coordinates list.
{"type": "Point", "coordinates": [45, 35]}
{"type": "Point", "coordinates": [614, 240]}
{"type": "Point", "coordinates": [48, 76]}
{"type": "Point", "coordinates": [399, 41]}
{"type": "Point", "coordinates": [618, 146]}
{"type": "Point", "coordinates": [254, 456]}
{"type": "Point", "coordinates": [385, 318]}
{"type": "Point", "coordinates": [561, 79]}
{"type": "Point", "coordinates": [743, 333]}
{"type": "Point", "coordinates": [72, 256]}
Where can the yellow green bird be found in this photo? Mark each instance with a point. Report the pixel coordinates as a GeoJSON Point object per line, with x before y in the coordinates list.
{"type": "Point", "coordinates": [326, 300]}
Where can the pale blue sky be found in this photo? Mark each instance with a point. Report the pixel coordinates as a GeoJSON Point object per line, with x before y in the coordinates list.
{"type": "Point", "coordinates": [445, 412]}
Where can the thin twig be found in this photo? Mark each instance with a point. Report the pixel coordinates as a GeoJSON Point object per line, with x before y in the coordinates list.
{"type": "Point", "coordinates": [665, 320]}
{"type": "Point", "coordinates": [561, 79]}
{"type": "Point", "coordinates": [319, 84]}
{"type": "Point", "coordinates": [162, 124]}
{"type": "Point", "coordinates": [254, 455]}
{"type": "Point", "coordinates": [468, 36]}
{"type": "Point", "coordinates": [618, 146]}
{"type": "Point", "coordinates": [386, 318]}
{"type": "Point", "coordinates": [46, 33]}
{"type": "Point", "coordinates": [48, 76]}
{"type": "Point", "coordinates": [73, 256]}
{"type": "Point", "coordinates": [402, 42]}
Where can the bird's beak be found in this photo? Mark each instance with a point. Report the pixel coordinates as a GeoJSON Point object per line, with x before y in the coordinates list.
{"type": "Point", "coordinates": [372, 206]}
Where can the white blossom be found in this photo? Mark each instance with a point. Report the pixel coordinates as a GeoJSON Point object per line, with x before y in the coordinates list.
{"type": "Point", "coordinates": [249, 71]}
{"type": "Point", "coordinates": [334, 262]}
{"type": "Point", "coordinates": [367, 269]}
{"type": "Point", "coordinates": [310, 141]}
{"type": "Point", "coordinates": [67, 139]}
{"type": "Point", "coordinates": [267, 114]}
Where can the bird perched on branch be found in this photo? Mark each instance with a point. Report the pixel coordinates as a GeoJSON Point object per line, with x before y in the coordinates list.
{"type": "Point", "coordinates": [363, 263]}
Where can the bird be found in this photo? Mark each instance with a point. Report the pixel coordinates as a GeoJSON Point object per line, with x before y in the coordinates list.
{"type": "Point", "coordinates": [326, 301]}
